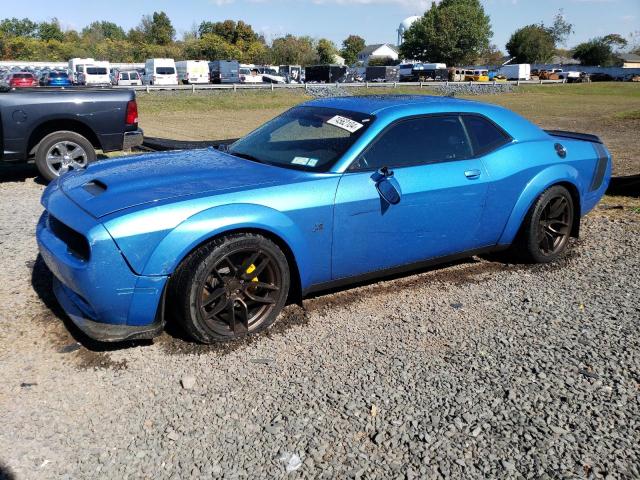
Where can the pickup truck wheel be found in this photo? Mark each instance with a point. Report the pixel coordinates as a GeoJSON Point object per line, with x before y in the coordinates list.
{"type": "Point", "coordinates": [59, 152]}
{"type": "Point", "coordinates": [545, 232]}
{"type": "Point", "coordinates": [231, 287]}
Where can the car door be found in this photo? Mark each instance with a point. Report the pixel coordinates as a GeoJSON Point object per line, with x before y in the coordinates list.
{"type": "Point", "coordinates": [442, 191]}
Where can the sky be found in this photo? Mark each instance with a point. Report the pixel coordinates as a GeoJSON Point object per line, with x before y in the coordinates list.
{"type": "Point", "coordinates": [374, 20]}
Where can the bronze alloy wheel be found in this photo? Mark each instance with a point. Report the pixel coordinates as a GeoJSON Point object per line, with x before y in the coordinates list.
{"type": "Point", "coordinates": [554, 225]}
{"type": "Point", "coordinates": [239, 292]}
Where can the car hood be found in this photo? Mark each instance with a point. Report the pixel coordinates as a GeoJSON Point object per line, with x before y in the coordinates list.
{"type": "Point", "coordinates": [109, 186]}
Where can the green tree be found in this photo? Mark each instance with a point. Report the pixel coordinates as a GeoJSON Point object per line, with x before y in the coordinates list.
{"type": "Point", "coordinates": [292, 50]}
{"type": "Point", "coordinates": [560, 29]}
{"type": "Point", "coordinates": [382, 61]}
{"type": "Point", "coordinates": [50, 30]}
{"type": "Point", "coordinates": [157, 28]}
{"type": "Point", "coordinates": [137, 36]}
{"type": "Point", "coordinates": [531, 44]}
{"type": "Point", "coordinates": [212, 47]}
{"type": "Point", "coordinates": [615, 41]}
{"type": "Point", "coordinates": [99, 31]}
{"type": "Point", "coordinates": [231, 31]}
{"type": "Point", "coordinates": [492, 56]}
{"type": "Point", "coordinates": [454, 31]}
{"type": "Point", "coordinates": [326, 51]}
{"type": "Point", "coordinates": [351, 46]}
{"type": "Point", "coordinates": [14, 27]}
{"type": "Point", "coordinates": [597, 51]}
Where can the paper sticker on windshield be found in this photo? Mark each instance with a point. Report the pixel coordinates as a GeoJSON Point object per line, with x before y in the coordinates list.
{"type": "Point", "coordinates": [345, 123]}
{"type": "Point", "coordinates": [300, 160]}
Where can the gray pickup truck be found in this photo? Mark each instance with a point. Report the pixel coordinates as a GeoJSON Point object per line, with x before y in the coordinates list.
{"type": "Point", "coordinates": [62, 129]}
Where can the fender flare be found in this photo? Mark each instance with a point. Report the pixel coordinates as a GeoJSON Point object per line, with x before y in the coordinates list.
{"type": "Point", "coordinates": [212, 222]}
{"type": "Point", "coordinates": [543, 180]}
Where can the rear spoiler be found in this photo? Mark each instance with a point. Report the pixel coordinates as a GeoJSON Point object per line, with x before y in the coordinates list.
{"type": "Point", "coordinates": [586, 137]}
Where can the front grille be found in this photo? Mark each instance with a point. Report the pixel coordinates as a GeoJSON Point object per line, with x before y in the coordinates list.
{"type": "Point", "coordinates": [76, 243]}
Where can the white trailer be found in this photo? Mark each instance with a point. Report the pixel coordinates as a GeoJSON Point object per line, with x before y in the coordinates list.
{"type": "Point", "coordinates": [518, 71]}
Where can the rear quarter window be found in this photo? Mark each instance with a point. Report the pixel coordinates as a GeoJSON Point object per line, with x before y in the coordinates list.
{"type": "Point", "coordinates": [485, 136]}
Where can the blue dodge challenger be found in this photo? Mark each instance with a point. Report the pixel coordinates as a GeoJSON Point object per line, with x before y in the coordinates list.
{"type": "Point", "coordinates": [329, 193]}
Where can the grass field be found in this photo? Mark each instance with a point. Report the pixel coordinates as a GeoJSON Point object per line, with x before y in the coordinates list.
{"type": "Point", "coordinates": [610, 110]}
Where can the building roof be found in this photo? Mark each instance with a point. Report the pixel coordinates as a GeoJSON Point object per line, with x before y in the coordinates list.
{"type": "Point", "coordinates": [629, 57]}
{"type": "Point", "coordinates": [369, 49]}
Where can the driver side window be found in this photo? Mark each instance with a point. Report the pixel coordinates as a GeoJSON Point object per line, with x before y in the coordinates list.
{"type": "Point", "coordinates": [417, 141]}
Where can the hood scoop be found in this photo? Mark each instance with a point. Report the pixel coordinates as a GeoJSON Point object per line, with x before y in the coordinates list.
{"type": "Point", "coordinates": [95, 187]}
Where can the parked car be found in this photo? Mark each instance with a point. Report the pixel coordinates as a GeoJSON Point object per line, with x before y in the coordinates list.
{"type": "Point", "coordinates": [477, 75]}
{"type": "Point", "coordinates": [249, 74]}
{"type": "Point", "coordinates": [93, 75]}
{"type": "Point", "coordinates": [61, 130]}
{"type": "Point", "coordinates": [423, 72]}
{"type": "Point", "coordinates": [552, 74]}
{"type": "Point", "coordinates": [22, 79]}
{"type": "Point", "coordinates": [160, 71]}
{"type": "Point", "coordinates": [329, 193]}
{"type": "Point", "coordinates": [224, 71]}
{"type": "Point", "coordinates": [271, 74]}
{"type": "Point", "coordinates": [128, 78]}
{"type": "Point", "coordinates": [193, 71]}
{"type": "Point", "coordinates": [56, 79]}
{"type": "Point", "coordinates": [577, 77]}
{"type": "Point", "coordinates": [74, 67]}
{"type": "Point", "coordinates": [601, 77]}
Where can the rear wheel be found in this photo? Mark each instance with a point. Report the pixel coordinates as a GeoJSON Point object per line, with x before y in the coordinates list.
{"type": "Point", "coordinates": [231, 287]}
{"type": "Point", "coordinates": [59, 152]}
{"type": "Point", "coordinates": [545, 232]}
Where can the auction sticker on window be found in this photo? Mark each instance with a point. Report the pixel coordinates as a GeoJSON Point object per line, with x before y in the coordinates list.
{"type": "Point", "coordinates": [345, 123]}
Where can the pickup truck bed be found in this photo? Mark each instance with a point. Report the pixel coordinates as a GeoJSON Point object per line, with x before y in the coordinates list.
{"type": "Point", "coordinates": [50, 124]}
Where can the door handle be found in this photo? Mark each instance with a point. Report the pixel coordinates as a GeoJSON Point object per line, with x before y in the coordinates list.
{"type": "Point", "coordinates": [472, 174]}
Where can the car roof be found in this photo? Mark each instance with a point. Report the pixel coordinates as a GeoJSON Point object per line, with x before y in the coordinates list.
{"type": "Point", "coordinates": [398, 106]}
{"type": "Point", "coordinates": [374, 104]}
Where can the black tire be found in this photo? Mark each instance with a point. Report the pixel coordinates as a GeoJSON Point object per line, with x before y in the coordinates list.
{"type": "Point", "coordinates": [241, 304]}
{"type": "Point", "coordinates": [546, 229]}
{"type": "Point", "coordinates": [72, 140]}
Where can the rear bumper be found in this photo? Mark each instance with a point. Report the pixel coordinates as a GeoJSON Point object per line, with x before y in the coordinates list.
{"type": "Point", "coordinates": [100, 293]}
{"type": "Point", "coordinates": [132, 139]}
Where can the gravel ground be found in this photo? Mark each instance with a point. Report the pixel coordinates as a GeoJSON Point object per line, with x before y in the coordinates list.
{"type": "Point", "coordinates": [476, 370]}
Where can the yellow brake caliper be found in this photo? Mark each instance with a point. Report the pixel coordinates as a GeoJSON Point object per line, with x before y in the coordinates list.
{"type": "Point", "coordinates": [252, 268]}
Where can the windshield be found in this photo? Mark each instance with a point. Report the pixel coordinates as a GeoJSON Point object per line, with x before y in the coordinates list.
{"type": "Point", "coordinates": [58, 75]}
{"type": "Point", "coordinates": [308, 138]}
{"type": "Point", "coordinates": [165, 70]}
{"type": "Point", "coordinates": [96, 71]}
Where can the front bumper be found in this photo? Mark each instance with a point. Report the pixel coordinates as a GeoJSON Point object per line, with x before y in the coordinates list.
{"type": "Point", "coordinates": [132, 139]}
{"type": "Point", "coordinates": [100, 293]}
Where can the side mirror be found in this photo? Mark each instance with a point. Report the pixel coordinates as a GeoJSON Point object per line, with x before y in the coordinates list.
{"type": "Point", "coordinates": [388, 191]}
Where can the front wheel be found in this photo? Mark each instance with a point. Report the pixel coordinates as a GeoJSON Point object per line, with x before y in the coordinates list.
{"type": "Point", "coordinates": [545, 232]}
{"type": "Point", "coordinates": [234, 286]}
{"type": "Point", "coordinates": [59, 152]}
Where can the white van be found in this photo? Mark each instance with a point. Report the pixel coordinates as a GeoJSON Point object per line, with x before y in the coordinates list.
{"type": "Point", "coordinates": [96, 74]}
{"type": "Point", "coordinates": [160, 71]}
{"type": "Point", "coordinates": [193, 71]}
{"type": "Point", "coordinates": [128, 78]}
{"type": "Point", "coordinates": [74, 63]}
